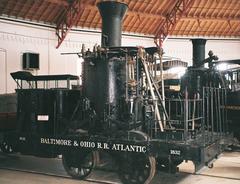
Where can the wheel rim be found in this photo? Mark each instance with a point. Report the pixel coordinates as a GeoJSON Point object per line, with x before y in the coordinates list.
{"type": "Point", "coordinates": [137, 168]}
{"type": "Point", "coordinates": [81, 167]}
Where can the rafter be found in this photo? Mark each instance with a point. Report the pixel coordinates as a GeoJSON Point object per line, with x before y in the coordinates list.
{"type": "Point", "coordinates": [17, 4]}
{"type": "Point", "coordinates": [180, 28]}
{"type": "Point", "coordinates": [98, 20]}
{"type": "Point", "coordinates": [48, 18]}
{"type": "Point", "coordinates": [23, 7]}
{"type": "Point", "coordinates": [228, 8]}
{"type": "Point", "coordinates": [30, 9]}
{"type": "Point", "coordinates": [149, 23]}
{"type": "Point", "coordinates": [191, 27]}
{"type": "Point", "coordinates": [58, 2]}
{"type": "Point", "coordinates": [186, 25]}
{"type": "Point", "coordinates": [88, 14]}
{"type": "Point", "coordinates": [232, 11]}
{"type": "Point", "coordinates": [80, 17]}
{"type": "Point", "coordinates": [134, 5]}
{"type": "Point", "coordinates": [211, 18]}
{"type": "Point", "coordinates": [229, 32]}
{"type": "Point", "coordinates": [213, 31]}
{"type": "Point", "coordinates": [226, 27]}
{"type": "Point", "coordinates": [41, 8]}
{"type": "Point", "coordinates": [224, 6]}
{"type": "Point", "coordinates": [180, 8]}
{"type": "Point", "coordinates": [74, 10]}
{"type": "Point", "coordinates": [134, 24]}
{"type": "Point", "coordinates": [208, 28]}
{"type": "Point", "coordinates": [153, 15]}
{"type": "Point", "coordinates": [44, 12]}
{"type": "Point", "coordinates": [5, 8]}
{"type": "Point", "coordinates": [150, 28]}
{"type": "Point", "coordinates": [59, 14]}
{"type": "Point", "coordinates": [157, 4]}
{"type": "Point", "coordinates": [236, 31]}
{"type": "Point", "coordinates": [140, 25]}
{"type": "Point", "coordinates": [198, 4]}
{"type": "Point", "coordinates": [93, 18]}
{"type": "Point", "coordinates": [2, 6]}
{"type": "Point", "coordinates": [149, 5]}
{"type": "Point", "coordinates": [134, 19]}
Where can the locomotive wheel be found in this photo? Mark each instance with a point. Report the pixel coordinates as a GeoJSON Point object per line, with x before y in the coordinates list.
{"type": "Point", "coordinates": [6, 148]}
{"type": "Point", "coordinates": [79, 165]}
{"type": "Point", "coordinates": [137, 168]}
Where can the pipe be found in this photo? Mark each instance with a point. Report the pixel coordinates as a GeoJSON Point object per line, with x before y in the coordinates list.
{"type": "Point", "coordinates": [112, 13]}
{"type": "Point", "coordinates": [198, 52]}
{"type": "Point", "coordinates": [151, 89]}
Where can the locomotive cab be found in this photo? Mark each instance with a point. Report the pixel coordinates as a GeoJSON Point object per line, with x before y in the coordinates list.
{"type": "Point", "coordinates": [45, 108]}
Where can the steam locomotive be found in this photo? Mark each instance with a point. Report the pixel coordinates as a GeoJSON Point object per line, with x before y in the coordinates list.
{"type": "Point", "coordinates": [119, 110]}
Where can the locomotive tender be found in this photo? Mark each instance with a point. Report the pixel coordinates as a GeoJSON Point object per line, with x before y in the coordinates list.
{"type": "Point", "coordinates": [120, 111]}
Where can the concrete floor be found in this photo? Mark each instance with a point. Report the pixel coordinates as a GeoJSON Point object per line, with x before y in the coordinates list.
{"type": "Point", "coordinates": [226, 171]}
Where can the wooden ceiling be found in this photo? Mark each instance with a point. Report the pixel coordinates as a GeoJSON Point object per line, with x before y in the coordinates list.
{"type": "Point", "coordinates": [204, 17]}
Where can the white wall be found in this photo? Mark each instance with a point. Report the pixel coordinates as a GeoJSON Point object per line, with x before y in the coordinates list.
{"type": "Point", "coordinates": [16, 38]}
{"type": "Point", "coordinates": [182, 48]}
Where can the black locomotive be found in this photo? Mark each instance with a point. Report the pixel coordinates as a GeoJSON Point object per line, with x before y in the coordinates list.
{"type": "Point", "coordinates": [118, 110]}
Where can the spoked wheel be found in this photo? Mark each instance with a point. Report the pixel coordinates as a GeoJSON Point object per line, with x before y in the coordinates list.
{"type": "Point", "coordinates": [79, 165]}
{"type": "Point", "coordinates": [6, 148]}
{"type": "Point", "coordinates": [137, 168]}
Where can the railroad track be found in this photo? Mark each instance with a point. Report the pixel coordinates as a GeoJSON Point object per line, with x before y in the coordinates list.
{"type": "Point", "coordinates": [57, 175]}
{"type": "Point", "coordinates": [94, 180]}
{"type": "Point", "coordinates": [14, 157]}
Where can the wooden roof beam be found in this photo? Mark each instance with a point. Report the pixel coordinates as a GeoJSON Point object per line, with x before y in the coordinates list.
{"type": "Point", "coordinates": [140, 26]}
{"type": "Point", "coordinates": [213, 31]}
{"type": "Point", "coordinates": [22, 9]}
{"type": "Point", "coordinates": [152, 15]}
{"type": "Point", "coordinates": [70, 19]}
{"type": "Point", "coordinates": [5, 8]}
{"type": "Point", "coordinates": [180, 8]}
{"type": "Point", "coordinates": [208, 28]}
{"type": "Point", "coordinates": [17, 4]}
{"type": "Point", "coordinates": [58, 2]}
{"type": "Point", "coordinates": [180, 32]}
{"type": "Point", "coordinates": [211, 18]}
{"type": "Point", "coordinates": [228, 8]}
{"type": "Point", "coordinates": [51, 14]}
{"type": "Point", "coordinates": [133, 26]}
{"type": "Point", "coordinates": [89, 13]}
{"type": "Point", "coordinates": [33, 4]}
{"type": "Point", "coordinates": [153, 25]}
{"type": "Point", "coordinates": [224, 6]}
{"type": "Point", "coordinates": [129, 12]}
{"type": "Point", "coordinates": [41, 7]}
{"type": "Point", "coordinates": [44, 12]}
{"type": "Point", "coordinates": [220, 29]}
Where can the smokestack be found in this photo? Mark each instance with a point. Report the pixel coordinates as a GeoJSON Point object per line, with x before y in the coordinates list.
{"type": "Point", "coordinates": [198, 52]}
{"type": "Point", "coordinates": [112, 13]}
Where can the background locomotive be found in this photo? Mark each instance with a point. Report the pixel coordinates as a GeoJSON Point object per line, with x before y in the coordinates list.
{"type": "Point", "coordinates": [120, 110]}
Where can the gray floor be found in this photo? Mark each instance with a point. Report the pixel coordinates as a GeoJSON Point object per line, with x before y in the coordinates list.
{"type": "Point", "coordinates": [226, 171]}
